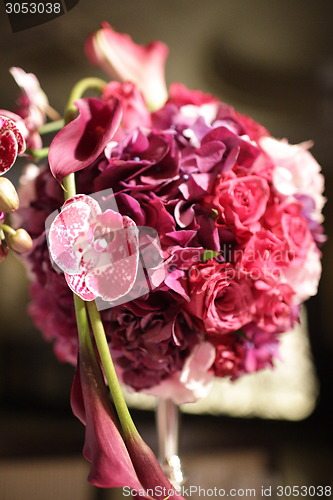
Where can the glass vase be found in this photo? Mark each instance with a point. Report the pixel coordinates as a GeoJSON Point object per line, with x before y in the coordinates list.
{"type": "Point", "coordinates": [167, 420]}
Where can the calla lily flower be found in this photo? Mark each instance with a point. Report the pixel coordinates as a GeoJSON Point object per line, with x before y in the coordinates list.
{"type": "Point", "coordinates": [115, 462]}
{"type": "Point", "coordinates": [124, 60]}
{"type": "Point", "coordinates": [80, 142]}
{"type": "Point", "coordinates": [104, 447]}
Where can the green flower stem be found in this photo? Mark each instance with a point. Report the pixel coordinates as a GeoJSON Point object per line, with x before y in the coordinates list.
{"type": "Point", "coordinates": [83, 324]}
{"type": "Point", "coordinates": [81, 306]}
{"type": "Point", "coordinates": [77, 92]}
{"type": "Point", "coordinates": [125, 418]}
{"type": "Point", "coordinates": [38, 154]}
{"type": "Point", "coordinates": [51, 127]}
{"type": "Point", "coordinates": [7, 229]}
{"type": "Point", "coordinates": [69, 186]}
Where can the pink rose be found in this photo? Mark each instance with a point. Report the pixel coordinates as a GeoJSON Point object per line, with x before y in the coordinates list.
{"type": "Point", "coordinates": [274, 307]}
{"type": "Point", "coordinates": [240, 202]}
{"type": "Point", "coordinates": [264, 256]}
{"type": "Point", "coordinates": [286, 221]}
{"type": "Point", "coordinates": [230, 354]}
{"type": "Point", "coordinates": [219, 297]}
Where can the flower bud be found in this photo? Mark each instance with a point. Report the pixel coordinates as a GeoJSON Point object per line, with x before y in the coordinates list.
{"type": "Point", "coordinates": [8, 196]}
{"type": "Point", "coordinates": [20, 242]}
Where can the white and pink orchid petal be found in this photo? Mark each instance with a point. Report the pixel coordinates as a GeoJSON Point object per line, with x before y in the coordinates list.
{"type": "Point", "coordinates": [76, 283]}
{"type": "Point", "coordinates": [113, 280]}
{"type": "Point", "coordinates": [67, 227]}
{"type": "Point", "coordinates": [95, 209]}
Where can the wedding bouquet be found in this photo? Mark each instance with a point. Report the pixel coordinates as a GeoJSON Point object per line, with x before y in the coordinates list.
{"type": "Point", "coordinates": [189, 236]}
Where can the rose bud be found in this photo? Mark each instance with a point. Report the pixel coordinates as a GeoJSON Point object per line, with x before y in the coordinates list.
{"type": "Point", "coordinates": [20, 242]}
{"type": "Point", "coordinates": [8, 196]}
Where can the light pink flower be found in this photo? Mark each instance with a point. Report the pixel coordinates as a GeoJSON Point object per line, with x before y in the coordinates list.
{"type": "Point", "coordinates": [124, 60]}
{"type": "Point", "coordinates": [304, 279]}
{"type": "Point", "coordinates": [98, 251]}
{"type": "Point", "coordinates": [12, 143]}
{"type": "Point", "coordinates": [33, 103]}
{"type": "Point", "coordinates": [296, 171]}
{"type": "Point", "coordinates": [193, 381]}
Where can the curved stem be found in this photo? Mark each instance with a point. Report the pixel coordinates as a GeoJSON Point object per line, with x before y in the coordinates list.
{"type": "Point", "coordinates": [125, 418]}
{"type": "Point", "coordinates": [78, 90]}
{"type": "Point", "coordinates": [7, 229]}
{"type": "Point", "coordinates": [38, 154]}
{"type": "Point", "coordinates": [51, 127]}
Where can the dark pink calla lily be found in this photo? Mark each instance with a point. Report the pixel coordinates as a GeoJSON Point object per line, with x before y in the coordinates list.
{"type": "Point", "coordinates": [113, 464]}
{"type": "Point", "coordinates": [124, 60]}
{"type": "Point", "coordinates": [12, 143]}
{"type": "Point", "coordinates": [149, 470]}
{"type": "Point", "coordinates": [80, 142]}
{"type": "Point", "coordinates": [104, 447]}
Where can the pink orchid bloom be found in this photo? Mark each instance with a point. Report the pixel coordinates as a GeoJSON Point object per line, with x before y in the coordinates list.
{"type": "Point", "coordinates": [98, 251]}
{"type": "Point", "coordinates": [124, 60]}
{"type": "Point", "coordinates": [80, 142]}
{"type": "Point", "coordinates": [12, 142]}
{"type": "Point", "coordinates": [33, 103]}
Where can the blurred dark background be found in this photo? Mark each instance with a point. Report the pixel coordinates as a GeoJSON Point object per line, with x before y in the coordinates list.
{"type": "Point", "coordinates": [270, 59]}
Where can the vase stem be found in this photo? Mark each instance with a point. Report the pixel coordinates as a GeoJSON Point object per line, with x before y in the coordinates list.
{"type": "Point", "coordinates": [167, 415]}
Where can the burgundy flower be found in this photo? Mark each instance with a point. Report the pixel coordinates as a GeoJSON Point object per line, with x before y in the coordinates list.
{"type": "Point", "coordinates": [80, 142]}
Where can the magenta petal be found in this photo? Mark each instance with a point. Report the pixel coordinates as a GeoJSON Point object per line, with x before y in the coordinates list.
{"type": "Point", "coordinates": [8, 150]}
{"type": "Point", "coordinates": [71, 223]}
{"type": "Point", "coordinates": [79, 143]}
{"type": "Point", "coordinates": [149, 471]}
{"type": "Point", "coordinates": [7, 123]}
{"type": "Point", "coordinates": [111, 465]}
